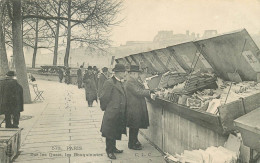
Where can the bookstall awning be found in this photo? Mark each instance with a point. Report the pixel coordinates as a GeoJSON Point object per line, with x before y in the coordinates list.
{"type": "Point", "coordinates": [232, 52]}
{"type": "Point", "coordinates": [187, 55]}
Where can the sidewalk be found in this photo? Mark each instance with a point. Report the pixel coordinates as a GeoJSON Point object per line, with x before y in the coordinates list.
{"type": "Point", "coordinates": [62, 129]}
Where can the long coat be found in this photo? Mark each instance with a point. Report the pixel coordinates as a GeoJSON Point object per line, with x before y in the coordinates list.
{"type": "Point", "coordinates": [90, 87]}
{"type": "Point", "coordinates": [79, 78]}
{"type": "Point", "coordinates": [11, 96]}
{"type": "Point", "coordinates": [137, 114]}
{"type": "Point", "coordinates": [114, 118]}
{"type": "Point", "coordinates": [101, 81]}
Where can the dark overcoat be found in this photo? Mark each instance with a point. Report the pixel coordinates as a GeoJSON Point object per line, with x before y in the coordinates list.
{"type": "Point", "coordinates": [114, 118]}
{"type": "Point", "coordinates": [137, 114]}
{"type": "Point", "coordinates": [11, 96]}
{"type": "Point", "coordinates": [79, 77]}
{"type": "Point", "coordinates": [101, 81]}
{"type": "Point", "coordinates": [90, 87]}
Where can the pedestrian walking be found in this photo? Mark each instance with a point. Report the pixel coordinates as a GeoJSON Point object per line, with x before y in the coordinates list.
{"type": "Point", "coordinates": [113, 102]}
{"type": "Point", "coordinates": [95, 72]}
{"type": "Point", "coordinates": [11, 100]}
{"type": "Point", "coordinates": [79, 77]}
{"type": "Point", "coordinates": [90, 86]}
{"type": "Point", "coordinates": [67, 75]}
{"type": "Point", "coordinates": [101, 80]}
{"type": "Point", "coordinates": [137, 114]}
{"type": "Point", "coordinates": [61, 74]}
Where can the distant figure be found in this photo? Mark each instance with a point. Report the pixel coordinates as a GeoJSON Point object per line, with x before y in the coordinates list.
{"type": "Point", "coordinates": [61, 74]}
{"type": "Point", "coordinates": [79, 75]}
{"type": "Point", "coordinates": [102, 78]}
{"type": "Point", "coordinates": [67, 75]}
{"type": "Point", "coordinates": [11, 100]}
{"type": "Point", "coordinates": [95, 72]}
{"type": "Point", "coordinates": [90, 86]}
{"type": "Point", "coordinates": [31, 77]}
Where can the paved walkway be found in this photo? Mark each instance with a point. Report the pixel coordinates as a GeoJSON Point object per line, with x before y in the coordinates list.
{"type": "Point", "coordinates": [64, 130]}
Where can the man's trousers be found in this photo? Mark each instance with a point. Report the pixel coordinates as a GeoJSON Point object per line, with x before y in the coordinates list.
{"type": "Point", "coordinates": [8, 119]}
{"type": "Point", "coordinates": [133, 136]}
{"type": "Point", "coordinates": [110, 145]}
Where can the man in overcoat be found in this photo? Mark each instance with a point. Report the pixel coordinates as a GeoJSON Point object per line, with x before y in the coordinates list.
{"type": "Point", "coordinates": [79, 76]}
{"type": "Point", "coordinates": [11, 100]}
{"type": "Point", "coordinates": [90, 86]}
{"type": "Point", "coordinates": [61, 74]}
{"type": "Point", "coordinates": [114, 119]}
{"type": "Point", "coordinates": [102, 78]}
{"type": "Point", "coordinates": [137, 114]}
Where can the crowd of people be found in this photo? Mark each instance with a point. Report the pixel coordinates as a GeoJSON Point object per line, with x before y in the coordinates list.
{"type": "Point", "coordinates": [121, 96]}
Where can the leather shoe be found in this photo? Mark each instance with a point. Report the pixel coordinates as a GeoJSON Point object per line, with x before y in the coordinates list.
{"type": "Point", "coordinates": [111, 156]}
{"type": "Point", "coordinates": [135, 147]}
{"type": "Point", "coordinates": [118, 151]}
{"type": "Point", "coordinates": [138, 143]}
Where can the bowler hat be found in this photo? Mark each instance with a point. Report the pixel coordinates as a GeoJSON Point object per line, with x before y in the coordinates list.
{"type": "Point", "coordinates": [10, 73]}
{"type": "Point", "coordinates": [104, 69]}
{"type": "Point", "coordinates": [119, 68]}
{"type": "Point", "coordinates": [134, 68]}
{"type": "Point", "coordinates": [90, 68]}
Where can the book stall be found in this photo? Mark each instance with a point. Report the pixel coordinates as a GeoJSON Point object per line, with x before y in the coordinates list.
{"type": "Point", "coordinates": [201, 88]}
{"type": "Point", "coordinates": [10, 142]}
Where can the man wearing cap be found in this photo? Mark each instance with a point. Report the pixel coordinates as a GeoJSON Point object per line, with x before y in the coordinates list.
{"type": "Point", "coordinates": [137, 114]}
{"type": "Point", "coordinates": [102, 78]}
{"type": "Point", "coordinates": [113, 98]}
{"type": "Point", "coordinates": [11, 100]}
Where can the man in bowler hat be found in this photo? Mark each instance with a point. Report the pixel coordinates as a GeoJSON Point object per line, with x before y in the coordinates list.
{"type": "Point", "coordinates": [11, 100]}
{"type": "Point", "coordinates": [137, 114]}
{"type": "Point", "coordinates": [114, 119]}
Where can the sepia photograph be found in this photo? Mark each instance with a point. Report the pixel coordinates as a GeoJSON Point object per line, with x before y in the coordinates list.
{"type": "Point", "coordinates": [129, 81]}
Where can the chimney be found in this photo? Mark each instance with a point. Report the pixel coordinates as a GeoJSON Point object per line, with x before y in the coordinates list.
{"type": "Point", "coordinates": [198, 35]}
{"type": "Point", "coordinates": [187, 32]}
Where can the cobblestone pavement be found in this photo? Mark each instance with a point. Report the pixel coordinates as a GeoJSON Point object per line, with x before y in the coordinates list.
{"type": "Point", "coordinates": [64, 130]}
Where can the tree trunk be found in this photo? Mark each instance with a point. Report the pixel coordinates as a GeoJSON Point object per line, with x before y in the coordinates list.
{"type": "Point", "coordinates": [35, 43]}
{"type": "Point", "coordinates": [56, 46]}
{"type": "Point", "coordinates": [3, 55]}
{"type": "Point", "coordinates": [18, 50]}
{"type": "Point", "coordinates": [67, 54]}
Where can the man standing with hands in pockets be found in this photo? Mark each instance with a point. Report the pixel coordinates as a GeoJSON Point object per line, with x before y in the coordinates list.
{"type": "Point", "coordinates": [113, 102]}
{"type": "Point", "coordinates": [137, 114]}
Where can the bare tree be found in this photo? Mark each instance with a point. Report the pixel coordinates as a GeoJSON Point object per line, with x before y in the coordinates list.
{"type": "Point", "coordinates": [94, 21]}
{"type": "Point", "coordinates": [3, 55]}
{"type": "Point", "coordinates": [85, 21]}
{"type": "Point", "coordinates": [15, 14]}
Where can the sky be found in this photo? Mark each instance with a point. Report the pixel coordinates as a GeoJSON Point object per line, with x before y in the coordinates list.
{"type": "Point", "coordinates": [144, 18]}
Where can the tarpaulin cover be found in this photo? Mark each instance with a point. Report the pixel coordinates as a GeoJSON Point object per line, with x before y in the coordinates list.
{"type": "Point", "coordinates": [154, 61]}
{"type": "Point", "coordinates": [187, 54]}
{"type": "Point", "coordinates": [224, 53]}
{"type": "Point", "coordinates": [168, 60]}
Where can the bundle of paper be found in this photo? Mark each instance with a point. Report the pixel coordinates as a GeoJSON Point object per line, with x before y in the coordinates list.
{"type": "Point", "coordinates": [170, 79]}
{"type": "Point", "coordinates": [210, 155]}
{"type": "Point", "coordinates": [196, 83]}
